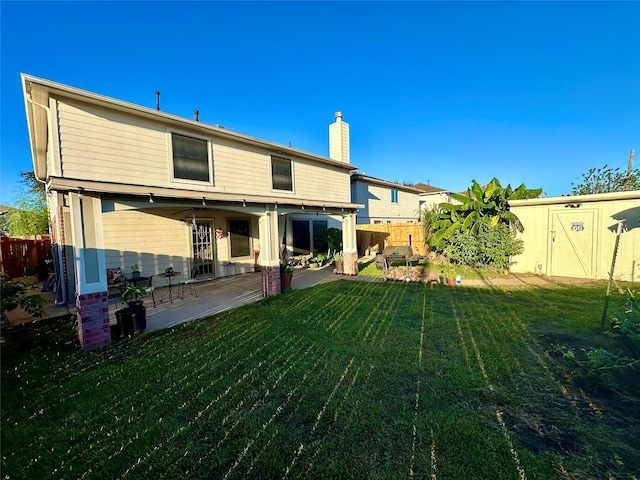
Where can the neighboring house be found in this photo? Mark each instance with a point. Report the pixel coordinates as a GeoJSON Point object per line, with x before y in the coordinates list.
{"type": "Point", "coordinates": [575, 236]}
{"type": "Point", "coordinates": [384, 201]}
{"type": "Point", "coordinates": [131, 185]}
{"type": "Point", "coordinates": [431, 196]}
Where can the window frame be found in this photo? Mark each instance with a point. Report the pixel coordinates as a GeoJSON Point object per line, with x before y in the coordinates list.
{"type": "Point", "coordinates": [394, 195]}
{"type": "Point", "coordinates": [209, 146]}
{"type": "Point", "coordinates": [249, 237]}
{"type": "Point", "coordinates": [281, 158]}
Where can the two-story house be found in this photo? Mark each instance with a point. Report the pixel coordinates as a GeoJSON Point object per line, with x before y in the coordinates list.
{"type": "Point", "coordinates": [384, 201]}
{"type": "Point", "coordinates": [129, 185]}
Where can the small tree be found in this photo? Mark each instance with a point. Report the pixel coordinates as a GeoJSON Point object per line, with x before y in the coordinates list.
{"type": "Point", "coordinates": [16, 294]}
{"type": "Point", "coordinates": [328, 239]}
{"type": "Point", "coordinates": [29, 215]}
{"type": "Point", "coordinates": [604, 180]}
{"type": "Point", "coordinates": [429, 215]}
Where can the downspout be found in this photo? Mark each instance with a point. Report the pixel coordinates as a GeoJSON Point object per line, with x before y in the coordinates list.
{"type": "Point", "coordinates": [61, 290]}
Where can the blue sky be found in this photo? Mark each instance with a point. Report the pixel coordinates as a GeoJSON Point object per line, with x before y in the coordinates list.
{"type": "Point", "coordinates": [445, 93]}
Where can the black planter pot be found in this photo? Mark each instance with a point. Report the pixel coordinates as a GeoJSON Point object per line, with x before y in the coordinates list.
{"type": "Point", "coordinates": [132, 319]}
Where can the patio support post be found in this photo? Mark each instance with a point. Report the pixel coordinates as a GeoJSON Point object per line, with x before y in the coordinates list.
{"type": "Point", "coordinates": [349, 244]}
{"type": "Point", "coordinates": [92, 301]}
{"type": "Point", "coordinates": [269, 252]}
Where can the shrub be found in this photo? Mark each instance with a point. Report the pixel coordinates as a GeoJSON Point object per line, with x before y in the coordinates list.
{"type": "Point", "coordinates": [490, 247]}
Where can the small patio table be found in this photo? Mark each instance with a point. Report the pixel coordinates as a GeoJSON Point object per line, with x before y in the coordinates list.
{"type": "Point", "coordinates": [169, 278]}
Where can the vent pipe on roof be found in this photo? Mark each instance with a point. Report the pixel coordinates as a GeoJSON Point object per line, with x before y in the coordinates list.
{"type": "Point", "coordinates": [197, 114]}
{"type": "Point", "coordinates": [157, 100]}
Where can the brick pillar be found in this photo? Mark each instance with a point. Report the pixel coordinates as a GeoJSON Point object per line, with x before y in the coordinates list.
{"type": "Point", "coordinates": [350, 263]}
{"type": "Point", "coordinates": [270, 281]}
{"type": "Point", "coordinates": [93, 320]}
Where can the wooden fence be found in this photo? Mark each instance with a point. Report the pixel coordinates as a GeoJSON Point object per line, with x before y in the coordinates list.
{"type": "Point", "coordinates": [22, 256]}
{"type": "Point", "coordinates": [381, 235]}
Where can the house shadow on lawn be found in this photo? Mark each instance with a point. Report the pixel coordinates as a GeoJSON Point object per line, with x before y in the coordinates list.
{"type": "Point", "coordinates": [607, 398]}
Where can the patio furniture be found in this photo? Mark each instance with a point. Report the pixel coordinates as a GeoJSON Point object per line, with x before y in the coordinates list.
{"type": "Point", "coordinates": [147, 285]}
{"type": "Point", "coordinates": [190, 282]}
{"type": "Point", "coordinates": [169, 277]}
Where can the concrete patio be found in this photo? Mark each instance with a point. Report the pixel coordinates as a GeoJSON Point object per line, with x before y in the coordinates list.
{"type": "Point", "coordinates": [223, 294]}
{"type": "Point", "coordinates": [213, 296]}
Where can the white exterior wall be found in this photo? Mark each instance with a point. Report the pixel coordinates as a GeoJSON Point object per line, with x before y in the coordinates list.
{"type": "Point", "coordinates": [547, 253]}
{"type": "Point", "coordinates": [109, 147]}
{"type": "Point", "coordinates": [378, 205]}
{"type": "Point", "coordinates": [428, 200]}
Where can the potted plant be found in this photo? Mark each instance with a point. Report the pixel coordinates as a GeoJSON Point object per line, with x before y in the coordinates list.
{"type": "Point", "coordinates": [132, 318]}
{"type": "Point", "coordinates": [286, 276]}
{"type": "Point", "coordinates": [321, 259]}
{"type": "Point", "coordinates": [135, 271]}
{"type": "Point", "coordinates": [338, 260]}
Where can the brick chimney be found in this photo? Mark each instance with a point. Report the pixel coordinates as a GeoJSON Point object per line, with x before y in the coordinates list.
{"type": "Point", "coordinates": [339, 140]}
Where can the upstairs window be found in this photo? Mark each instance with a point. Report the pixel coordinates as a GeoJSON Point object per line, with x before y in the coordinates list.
{"type": "Point", "coordinates": [394, 195]}
{"type": "Point", "coordinates": [281, 176]}
{"type": "Point", "coordinates": [190, 158]}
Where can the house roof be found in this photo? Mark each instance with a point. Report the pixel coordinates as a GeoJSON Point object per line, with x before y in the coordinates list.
{"type": "Point", "coordinates": [361, 177]}
{"type": "Point", "coordinates": [424, 188]}
{"type": "Point", "coordinates": [37, 92]}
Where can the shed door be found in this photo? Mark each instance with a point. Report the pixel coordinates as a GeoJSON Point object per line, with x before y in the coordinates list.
{"type": "Point", "coordinates": [573, 243]}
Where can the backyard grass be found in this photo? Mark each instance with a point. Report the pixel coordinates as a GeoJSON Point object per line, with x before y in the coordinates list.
{"type": "Point", "coordinates": [344, 380]}
{"type": "Point", "coordinates": [369, 269]}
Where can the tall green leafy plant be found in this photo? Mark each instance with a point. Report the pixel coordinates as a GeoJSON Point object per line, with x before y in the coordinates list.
{"type": "Point", "coordinates": [489, 247]}
{"type": "Point", "coordinates": [479, 206]}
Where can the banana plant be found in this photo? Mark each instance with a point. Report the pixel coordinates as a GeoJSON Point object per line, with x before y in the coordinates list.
{"type": "Point", "coordinates": [488, 205]}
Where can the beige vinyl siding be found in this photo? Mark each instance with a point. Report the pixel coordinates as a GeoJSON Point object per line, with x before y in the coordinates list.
{"type": "Point", "coordinates": [241, 170]}
{"type": "Point", "coordinates": [249, 170]}
{"type": "Point", "coordinates": [100, 145]}
{"type": "Point", "coordinates": [156, 238]}
{"type": "Point", "coordinates": [223, 247]}
{"type": "Point", "coordinates": [429, 200]}
{"type": "Point", "coordinates": [105, 146]}
{"type": "Point", "coordinates": [379, 206]}
{"type": "Point", "coordinates": [152, 241]}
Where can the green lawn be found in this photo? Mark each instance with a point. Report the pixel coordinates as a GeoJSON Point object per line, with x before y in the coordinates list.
{"type": "Point", "coordinates": [369, 269]}
{"type": "Point", "coordinates": [344, 380]}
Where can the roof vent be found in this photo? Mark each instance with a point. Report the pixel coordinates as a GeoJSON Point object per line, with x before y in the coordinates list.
{"type": "Point", "coordinates": [157, 100]}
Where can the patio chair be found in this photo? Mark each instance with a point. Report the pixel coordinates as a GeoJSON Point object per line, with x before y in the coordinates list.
{"type": "Point", "coordinates": [146, 284]}
{"type": "Point", "coordinates": [190, 282]}
{"type": "Point", "coordinates": [149, 289]}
